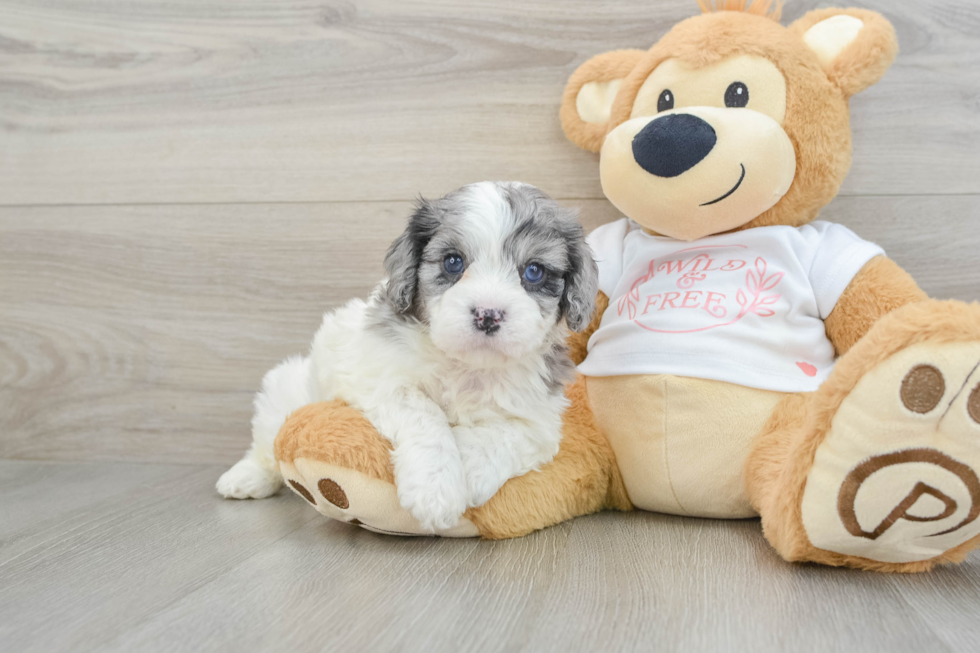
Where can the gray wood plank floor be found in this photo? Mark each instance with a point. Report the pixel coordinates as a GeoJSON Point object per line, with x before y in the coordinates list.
{"type": "Point", "coordinates": [186, 186]}
{"type": "Point", "coordinates": [127, 557]}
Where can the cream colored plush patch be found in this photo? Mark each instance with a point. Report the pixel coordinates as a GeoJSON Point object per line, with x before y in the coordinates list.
{"type": "Point", "coordinates": [705, 87]}
{"type": "Point", "coordinates": [714, 195]}
{"type": "Point", "coordinates": [350, 496]}
{"type": "Point", "coordinates": [594, 100]}
{"type": "Point", "coordinates": [681, 443]}
{"type": "Point", "coordinates": [829, 37]}
{"type": "Point", "coordinates": [895, 478]}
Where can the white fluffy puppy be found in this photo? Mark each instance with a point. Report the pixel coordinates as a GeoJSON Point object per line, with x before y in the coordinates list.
{"type": "Point", "coordinates": [458, 357]}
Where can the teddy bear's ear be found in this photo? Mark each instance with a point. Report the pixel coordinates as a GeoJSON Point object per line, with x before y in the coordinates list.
{"type": "Point", "coordinates": [854, 46]}
{"type": "Point", "coordinates": [589, 96]}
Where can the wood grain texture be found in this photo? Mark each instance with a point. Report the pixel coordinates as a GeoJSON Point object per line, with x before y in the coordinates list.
{"type": "Point", "coordinates": [111, 545]}
{"type": "Point", "coordinates": [186, 186]}
{"type": "Point", "coordinates": [141, 333]}
{"type": "Point", "coordinates": [287, 100]}
{"type": "Point", "coordinates": [148, 329]}
{"type": "Point", "coordinates": [147, 558]}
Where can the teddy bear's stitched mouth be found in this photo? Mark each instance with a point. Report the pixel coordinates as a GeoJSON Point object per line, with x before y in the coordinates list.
{"type": "Point", "coordinates": [734, 188]}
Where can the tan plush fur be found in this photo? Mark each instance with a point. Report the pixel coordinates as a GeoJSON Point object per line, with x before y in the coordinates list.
{"type": "Point", "coordinates": [865, 61]}
{"type": "Point", "coordinates": [604, 67]}
{"type": "Point", "coordinates": [583, 478]}
{"type": "Point", "coordinates": [878, 289]}
{"type": "Point", "coordinates": [667, 430]}
{"type": "Point", "coordinates": [783, 453]}
{"type": "Point", "coordinates": [333, 432]}
{"type": "Point", "coordinates": [880, 313]}
{"type": "Point", "coordinates": [771, 9]}
{"type": "Point", "coordinates": [817, 120]}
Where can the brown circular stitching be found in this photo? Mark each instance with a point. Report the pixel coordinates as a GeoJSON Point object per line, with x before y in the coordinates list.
{"type": "Point", "coordinates": [852, 483]}
{"type": "Point", "coordinates": [913, 496]}
{"type": "Point", "coordinates": [333, 493]}
{"type": "Point", "coordinates": [303, 492]}
{"type": "Point", "coordinates": [923, 388]}
{"type": "Point", "coordinates": [973, 405]}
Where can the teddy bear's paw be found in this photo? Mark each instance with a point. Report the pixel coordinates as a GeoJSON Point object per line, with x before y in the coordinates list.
{"type": "Point", "coordinates": [247, 479]}
{"type": "Point", "coordinates": [356, 498]}
{"type": "Point", "coordinates": [896, 478]}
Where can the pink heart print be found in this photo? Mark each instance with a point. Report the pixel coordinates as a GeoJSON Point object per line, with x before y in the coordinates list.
{"type": "Point", "coordinates": [808, 369]}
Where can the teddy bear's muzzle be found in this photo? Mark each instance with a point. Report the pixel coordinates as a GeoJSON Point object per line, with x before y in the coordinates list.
{"type": "Point", "coordinates": [691, 172]}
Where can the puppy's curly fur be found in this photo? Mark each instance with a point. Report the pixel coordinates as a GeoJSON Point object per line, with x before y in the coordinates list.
{"type": "Point", "coordinates": [458, 357]}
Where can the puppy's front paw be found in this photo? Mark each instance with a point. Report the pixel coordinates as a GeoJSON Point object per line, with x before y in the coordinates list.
{"type": "Point", "coordinates": [481, 485]}
{"type": "Point", "coordinates": [483, 478]}
{"type": "Point", "coordinates": [248, 480]}
{"type": "Point", "coordinates": [437, 502]}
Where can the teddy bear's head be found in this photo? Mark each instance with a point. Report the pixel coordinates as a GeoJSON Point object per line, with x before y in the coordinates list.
{"type": "Point", "coordinates": [731, 120]}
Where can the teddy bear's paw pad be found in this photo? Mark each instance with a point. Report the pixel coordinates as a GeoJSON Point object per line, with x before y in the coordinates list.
{"type": "Point", "coordinates": [896, 478]}
{"type": "Point", "coordinates": [353, 497]}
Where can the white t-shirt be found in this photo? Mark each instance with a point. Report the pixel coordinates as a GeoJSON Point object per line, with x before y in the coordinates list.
{"type": "Point", "coordinates": [746, 307]}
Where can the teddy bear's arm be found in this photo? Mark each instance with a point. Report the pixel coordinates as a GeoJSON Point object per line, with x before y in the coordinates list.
{"type": "Point", "coordinates": [879, 288]}
{"type": "Point", "coordinates": [577, 342]}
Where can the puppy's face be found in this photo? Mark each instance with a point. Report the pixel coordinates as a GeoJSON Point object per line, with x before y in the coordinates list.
{"type": "Point", "coordinates": [492, 269]}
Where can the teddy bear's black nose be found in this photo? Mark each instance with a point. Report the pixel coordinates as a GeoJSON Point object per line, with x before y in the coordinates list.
{"type": "Point", "coordinates": [673, 144]}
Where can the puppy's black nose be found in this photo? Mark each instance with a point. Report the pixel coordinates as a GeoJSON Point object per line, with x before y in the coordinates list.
{"type": "Point", "coordinates": [673, 144]}
{"type": "Point", "coordinates": [487, 320]}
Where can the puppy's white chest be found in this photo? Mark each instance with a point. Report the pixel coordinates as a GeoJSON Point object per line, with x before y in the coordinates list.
{"type": "Point", "coordinates": [468, 395]}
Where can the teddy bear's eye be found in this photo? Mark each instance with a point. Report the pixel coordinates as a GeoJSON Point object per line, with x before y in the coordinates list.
{"type": "Point", "coordinates": [736, 95]}
{"type": "Point", "coordinates": [666, 101]}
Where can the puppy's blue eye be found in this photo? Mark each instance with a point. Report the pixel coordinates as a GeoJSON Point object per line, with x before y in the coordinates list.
{"type": "Point", "coordinates": [533, 273]}
{"type": "Point", "coordinates": [453, 264]}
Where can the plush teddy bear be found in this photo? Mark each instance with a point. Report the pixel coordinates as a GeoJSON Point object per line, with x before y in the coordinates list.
{"type": "Point", "coordinates": [745, 359]}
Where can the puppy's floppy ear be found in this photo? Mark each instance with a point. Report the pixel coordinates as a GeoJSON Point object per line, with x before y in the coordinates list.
{"type": "Point", "coordinates": [405, 255]}
{"type": "Point", "coordinates": [589, 96]}
{"type": "Point", "coordinates": [854, 46]}
{"type": "Point", "coordinates": [581, 280]}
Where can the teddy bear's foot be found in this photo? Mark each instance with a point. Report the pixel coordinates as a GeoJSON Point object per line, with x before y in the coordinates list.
{"type": "Point", "coordinates": [354, 497]}
{"type": "Point", "coordinates": [330, 455]}
{"type": "Point", "coordinates": [895, 479]}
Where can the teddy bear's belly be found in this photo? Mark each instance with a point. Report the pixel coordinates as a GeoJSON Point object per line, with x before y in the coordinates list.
{"type": "Point", "coordinates": [681, 443]}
